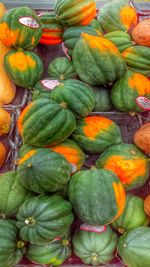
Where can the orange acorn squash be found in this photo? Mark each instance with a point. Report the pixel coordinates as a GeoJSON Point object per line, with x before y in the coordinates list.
{"type": "Point", "coordinates": [141, 33]}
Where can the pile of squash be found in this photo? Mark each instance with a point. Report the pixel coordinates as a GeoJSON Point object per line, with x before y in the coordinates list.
{"type": "Point", "coordinates": [107, 66]}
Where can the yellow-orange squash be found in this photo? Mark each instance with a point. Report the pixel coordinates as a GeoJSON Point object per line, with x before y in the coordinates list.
{"type": "Point", "coordinates": [5, 122]}
{"type": "Point", "coordinates": [2, 154]}
{"type": "Point", "coordinates": [147, 205]}
{"type": "Point", "coordinates": [141, 33]}
{"type": "Point", "coordinates": [2, 10]}
{"type": "Point", "coordinates": [142, 138]}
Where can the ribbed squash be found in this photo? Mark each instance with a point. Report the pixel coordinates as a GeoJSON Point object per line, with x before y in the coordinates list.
{"type": "Point", "coordinates": [141, 33]}
{"type": "Point", "coordinates": [117, 15]}
{"type": "Point", "coordinates": [78, 96]}
{"type": "Point", "coordinates": [52, 29]}
{"type": "Point", "coordinates": [43, 218]}
{"type": "Point", "coordinates": [72, 152]}
{"type": "Point", "coordinates": [61, 68]}
{"type": "Point", "coordinates": [12, 194]}
{"type": "Point", "coordinates": [127, 89]}
{"type": "Point", "coordinates": [96, 25]}
{"type": "Point", "coordinates": [5, 122]}
{"type": "Point", "coordinates": [95, 134]}
{"type": "Point", "coordinates": [134, 247]}
{"type": "Point", "coordinates": [53, 253]}
{"type": "Point", "coordinates": [72, 35]}
{"type": "Point", "coordinates": [95, 249]}
{"type": "Point", "coordinates": [138, 59]}
{"type": "Point", "coordinates": [43, 88]}
{"type": "Point", "coordinates": [79, 12]}
{"type": "Point", "coordinates": [2, 154]}
{"type": "Point", "coordinates": [44, 122]}
{"type": "Point", "coordinates": [120, 38]}
{"type": "Point", "coordinates": [20, 28]}
{"type": "Point", "coordinates": [11, 247]}
{"type": "Point", "coordinates": [24, 68]}
{"type": "Point", "coordinates": [42, 170]}
{"type": "Point", "coordinates": [97, 60]}
{"type": "Point", "coordinates": [133, 215]}
{"type": "Point", "coordinates": [103, 100]}
{"type": "Point", "coordinates": [97, 196]}
{"type": "Point", "coordinates": [128, 162]}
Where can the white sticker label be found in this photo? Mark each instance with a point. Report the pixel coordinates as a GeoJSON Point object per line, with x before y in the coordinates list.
{"type": "Point", "coordinates": [143, 102]}
{"type": "Point", "coordinates": [29, 22]}
{"type": "Point", "coordinates": [74, 168]}
{"type": "Point", "coordinates": [65, 49]}
{"type": "Point", "coordinates": [92, 228]}
{"type": "Point", "coordinates": [50, 84]}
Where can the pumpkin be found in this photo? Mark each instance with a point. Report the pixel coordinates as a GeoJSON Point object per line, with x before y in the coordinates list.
{"type": "Point", "coordinates": [141, 33]}
{"type": "Point", "coordinates": [128, 162]}
{"type": "Point", "coordinates": [7, 88]}
{"type": "Point", "coordinates": [138, 59]}
{"type": "Point", "coordinates": [5, 121]}
{"type": "Point", "coordinates": [43, 88]}
{"type": "Point", "coordinates": [97, 60]}
{"type": "Point", "coordinates": [52, 29]}
{"type": "Point", "coordinates": [11, 247]}
{"type": "Point", "coordinates": [25, 68]}
{"type": "Point", "coordinates": [95, 249]}
{"type": "Point", "coordinates": [12, 194]}
{"type": "Point", "coordinates": [55, 172]}
{"type": "Point", "coordinates": [80, 12]}
{"type": "Point", "coordinates": [52, 253]}
{"type": "Point", "coordinates": [72, 35]}
{"type": "Point", "coordinates": [96, 133]}
{"type": "Point", "coordinates": [103, 100]}
{"type": "Point", "coordinates": [50, 123]}
{"type": "Point", "coordinates": [97, 196]}
{"type": "Point", "coordinates": [117, 15]}
{"type": "Point", "coordinates": [133, 215]}
{"type": "Point", "coordinates": [147, 205]}
{"type": "Point", "coordinates": [43, 218]}
{"type": "Point", "coordinates": [127, 89]}
{"type": "Point", "coordinates": [78, 96]}
{"type": "Point", "coordinates": [131, 248]}
{"type": "Point", "coordinates": [120, 38]}
{"type": "Point", "coordinates": [72, 152]}
{"type": "Point", "coordinates": [61, 68]}
{"type": "Point", "coordinates": [141, 137]}
{"type": "Point", "coordinates": [2, 154]}
{"type": "Point", "coordinates": [20, 28]}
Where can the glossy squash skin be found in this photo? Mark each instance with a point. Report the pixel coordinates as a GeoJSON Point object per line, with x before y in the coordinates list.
{"type": "Point", "coordinates": [81, 12]}
{"type": "Point", "coordinates": [90, 49]}
{"type": "Point", "coordinates": [44, 218]}
{"type": "Point", "coordinates": [128, 162]}
{"type": "Point", "coordinates": [20, 28]}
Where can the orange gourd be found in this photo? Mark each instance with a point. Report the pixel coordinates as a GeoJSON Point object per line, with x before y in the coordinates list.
{"type": "Point", "coordinates": [142, 138]}
{"type": "Point", "coordinates": [2, 154]}
{"type": "Point", "coordinates": [141, 33]}
{"type": "Point", "coordinates": [5, 122]}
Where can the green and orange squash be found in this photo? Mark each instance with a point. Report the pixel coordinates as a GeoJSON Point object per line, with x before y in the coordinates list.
{"type": "Point", "coordinates": [93, 248]}
{"type": "Point", "coordinates": [61, 68]}
{"type": "Point", "coordinates": [44, 122]}
{"type": "Point", "coordinates": [24, 68]}
{"type": "Point", "coordinates": [78, 96]}
{"type": "Point", "coordinates": [54, 252]}
{"type": "Point", "coordinates": [52, 29]}
{"type": "Point", "coordinates": [97, 60]}
{"type": "Point", "coordinates": [96, 25]}
{"type": "Point", "coordinates": [44, 218]}
{"type": "Point", "coordinates": [11, 247]}
{"type": "Point", "coordinates": [138, 59]}
{"type": "Point", "coordinates": [141, 33]}
{"type": "Point", "coordinates": [117, 15]}
{"type": "Point", "coordinates": [134, 247]}
{"type": "Point", "coordinates": [96, 133]}
{"type": "Point", "coordinates": [103, 100]}
{"type": "Point", "coordinates": [43, 88]}
{"type": "Point", "coordinates": [80, 12]}
{"type": "Point", "coordinates": [127, 89]}
{"type": "Point", "coordinates": [2, 154]}
{"type": "Point", "coordinates": [97, 196]}
{"type": "Point", "coordinates": [42, 170]}
{"type": "Point", "coordinates": [5, 122]}
{"type": "Point", "coordinates": [12, 194]}
{"type": "Point", "coordinates": [133, 215]}
{"type": "Point", "coordinates": [120, 38]}
{"type": "Point", "coordinates": [128, 162]}
{"type": "Point", "coordinates": [20, 28]}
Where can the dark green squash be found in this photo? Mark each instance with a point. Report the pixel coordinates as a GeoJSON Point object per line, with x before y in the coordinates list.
{"type": "Point", "coordinates": [42, 88]}
{"type": "Point", "coordinates": [103, 100]}
{"type": "Point", "coordinates": [120, 38]}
